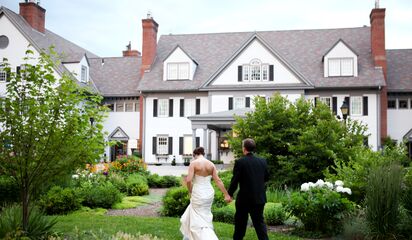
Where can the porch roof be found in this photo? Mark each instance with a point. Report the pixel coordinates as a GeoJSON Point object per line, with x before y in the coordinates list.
{"type": "Point", "coordinates": [218, 120]}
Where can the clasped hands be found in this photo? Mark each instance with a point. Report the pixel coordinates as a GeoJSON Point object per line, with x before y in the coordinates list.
{"type": "Point", "coordinates": [228, 198]}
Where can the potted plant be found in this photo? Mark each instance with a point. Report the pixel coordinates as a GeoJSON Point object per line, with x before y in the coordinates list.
{"type": "Point", "coordinates": [186, 161]}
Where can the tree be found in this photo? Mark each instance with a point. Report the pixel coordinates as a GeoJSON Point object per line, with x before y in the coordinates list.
{"type": "Point", "coordinates": [298, 140]}
{"type": "Point", "coordinates": [48, 126]}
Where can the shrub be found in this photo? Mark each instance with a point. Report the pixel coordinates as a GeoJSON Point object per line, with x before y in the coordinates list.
{"type": "Point", "coordinates": [224, 214]}
{"type": "Point", "coordinates": [276, 195]}
{"type": "Point", "coordinates": [9, 190]}
{"type": "Point", "coordinates": [170, 181]}
{"type": "Point", "coordinates": [382, 201]}
{"type": "Point", "coordinates": [128, 165]}
{"type": "Point", "coordinates": [60, 201]}
{"type": "Point", "coordinates": [175, 202]}
{"type": "Point", "coordinates": [156, 181]}
{"type": "Point", "coordinates": [275, 214]}
{"type": "Point", "coordinates": [118, 181]}
{"type": "Point", "coordinates": [136, 185]}
{"type": "Point", "coordinates": [355, 226]}
{"type": "Point", "coordinates": [103, 195]}
{"type": "Point", "coordinates": [11, 226]}
{"type": "Point", "coordinates": [320, 208]}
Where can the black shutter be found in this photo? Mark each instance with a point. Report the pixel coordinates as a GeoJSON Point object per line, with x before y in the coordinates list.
{"type": "Point", "coordinates": [18, 70]}
{"type": "Point", "coordinates": [270, 72]}
{"type": "Point", "coordinates": [335, 105]}
{"type": "Point", "coordinates": [365, 106]}
{"type": "Point", "coordinates": [197, 106]}
{"type": "Point", "coordinates": [170, 107]}
{"type": "Point", "coordinates": [197, 141]}
{"type": "Point", "coordinates": [239, 73]}
{"type": "Point", "coordinates": [154, 107]}
{"type": "Point", "coordinates": [170, 145]}
{"type": "Point", "coordinates": [180, 145]}
{"type": "Point", "coordinates": [8, 75]}
{"type": "Point", "coordinates": [316, 101]}
{"type": "Point", "coordinates": [154, 145]}
{"type": "Point", "coordinates": [347, 100]}
{"type": "Point", "coordinates": [182, 107]}
{"type": "Point", "coordinates": [230, 103]}
{"type": "Point", "coordinates": [366, 141]}
{"type": "Point", "coordinates": [247, 104]}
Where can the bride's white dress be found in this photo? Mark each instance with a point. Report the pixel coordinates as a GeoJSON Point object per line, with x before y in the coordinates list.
{"type": "Point", "coordinates": [196, 221]}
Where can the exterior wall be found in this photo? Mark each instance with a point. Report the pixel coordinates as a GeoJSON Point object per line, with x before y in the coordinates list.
{"type": "Point", "coordinates": [178, 56]}
{"type": "Point", "coordinates": [281, 75]}
{"type": "Point", "coordinates": [129, 122]}
{"type": "Point", "coordinates": [340, 51]}
{"type": "Point", "coordinates": [76, 68]}
{"type": "Point", "coordinates": [399, 120]}
{"type": "Point", "coordinates": [175, 126]}
{"type": "Point", "coordinates": [371, 120]}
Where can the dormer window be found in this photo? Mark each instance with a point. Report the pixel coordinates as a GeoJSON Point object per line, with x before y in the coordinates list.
{"type": "Point", "coordinates": [84, 76]}
{"type": "Point", "coordinates": [178, 71]}
{"type": "Point", "coordinates": [340, 67]}
{"type": "Point", "coordinates": [255, 71]}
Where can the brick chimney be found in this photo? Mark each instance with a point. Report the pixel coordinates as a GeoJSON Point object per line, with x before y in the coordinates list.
{"type": "Point", "coordinates": [149, 44]}
{"type": "Point", "coordinates": [129, 52]}
{"type": "Point", "coordinates": [34, 14]}
{"type": "Point", "coordinates": [377, 20]}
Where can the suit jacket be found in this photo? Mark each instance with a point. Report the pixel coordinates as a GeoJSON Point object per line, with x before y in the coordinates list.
{"type": "Point", "coordinates": [250, 173]}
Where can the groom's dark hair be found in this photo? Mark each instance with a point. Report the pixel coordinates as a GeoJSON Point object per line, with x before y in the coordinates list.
{"type": "Point", "coordinates": [249, 144]}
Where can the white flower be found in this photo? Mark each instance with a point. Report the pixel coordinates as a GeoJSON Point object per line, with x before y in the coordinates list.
{"type": "Point", "coordinates": [338, 183]}
{"type": "Point", "coordinates": [347, 190]}
{"type": "Point", "coordinates": [339, 189]}
{"type": "Point", "coordinates": [311, 184]}
{"type": "Point", "coordinates": [304, 187]}
{"type": "Point", "coordinates": [75, 176]}
{"type": "Point", "coordinates": [329, 185]}
{"type": "Point", "coordinates": [320, 183]}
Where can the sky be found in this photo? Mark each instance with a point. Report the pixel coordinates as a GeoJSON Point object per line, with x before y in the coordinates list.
{"type": "Point", "coordinates": [105, 27]}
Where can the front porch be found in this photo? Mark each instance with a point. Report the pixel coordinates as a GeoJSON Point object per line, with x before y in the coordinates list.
{"type": "Point", "coordinates": [215, 126]}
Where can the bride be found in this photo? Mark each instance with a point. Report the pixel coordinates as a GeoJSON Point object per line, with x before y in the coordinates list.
{"type": "Point", "coordinates": [196, 221]}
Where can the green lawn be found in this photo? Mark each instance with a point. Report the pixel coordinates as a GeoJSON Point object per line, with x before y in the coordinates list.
{"type": "Point", "coordinates": [164, 227]}
{"type": "Point", "coordinates": [134, 201]}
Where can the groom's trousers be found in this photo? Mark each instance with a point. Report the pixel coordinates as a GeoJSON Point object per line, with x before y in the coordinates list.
{"type": "Point", "coordinates": [241, 218]}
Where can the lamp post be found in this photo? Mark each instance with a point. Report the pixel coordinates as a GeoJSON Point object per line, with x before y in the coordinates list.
{"type": "Point", "coordinates": [91, 121]}
{"type": "Point", "coordinates": [344, 109]}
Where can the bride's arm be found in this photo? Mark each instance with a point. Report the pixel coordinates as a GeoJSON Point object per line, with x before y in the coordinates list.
{"type": "Point", "coordinates": [189, 177]}
{"type": "Point", "coordinates": [220, 184]}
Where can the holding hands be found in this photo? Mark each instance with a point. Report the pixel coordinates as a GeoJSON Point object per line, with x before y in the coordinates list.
{"type": "Point", "coordinates": [228, 198]}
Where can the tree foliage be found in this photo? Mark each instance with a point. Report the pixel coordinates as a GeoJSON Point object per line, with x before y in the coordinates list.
{"type": "Point", "coordinates": [298, 139]}
{"type": "Point", "coordinates": [45, 124]}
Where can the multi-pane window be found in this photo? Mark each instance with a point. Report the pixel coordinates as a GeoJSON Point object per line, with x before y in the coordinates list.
{"type": "Point", "coordinates": [392, 103]}
{"type": "Point", "coordinates": [190, 107]}
{"type": "Point", "coordinates": [3, 74]}
{"type": "Point", "coordinates": [84, 74]}
{"type": "Point", "coordinates": [265, 72]}
{"type": "Point", "coordinates": [239, 102]}
{"type": "Point", "coordinates": [162, 145]}
{"type": "Point", "coordinates": [340, 67]}
{"type": "Point", "coordinates": [403, 103]}
{"type": "Point", "coordinates": [356, 105]}
{"type": "Point", "coordinates": [326, 101]}
{"type": "Point", "coordinates": [246, 72]}
{"type": "Point", "coordinates": [177, 71]}
{"type": "Point", "coordinates": [129, 107]}
{"type": "Point", "coordinates": [120, 107]}
{"type": "Point", "coordinates": [163, 107]}
{"type": "Point", "coordinates": [187, 145]}
{"type": "Point", "coordinates": [255, 71]}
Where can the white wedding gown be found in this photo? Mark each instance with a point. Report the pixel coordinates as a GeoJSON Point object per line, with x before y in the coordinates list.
{"type": "Point", "coordinates": [196, 221]}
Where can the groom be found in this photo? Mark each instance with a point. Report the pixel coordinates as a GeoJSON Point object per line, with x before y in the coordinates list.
{"type": "Point", "coordinates": [250, 173]}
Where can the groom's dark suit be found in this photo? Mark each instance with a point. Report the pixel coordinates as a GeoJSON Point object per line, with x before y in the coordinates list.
{"type": "Point", "coordinates": [250, 173]}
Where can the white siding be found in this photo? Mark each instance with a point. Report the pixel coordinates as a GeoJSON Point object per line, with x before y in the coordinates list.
{"type": "Point", "coordinates": [76, 68]}
{"type": "Point", "coordinates": [340, 51]}
{"type": "Point", "coordinates": [179, 56]}
{"type": "Point", "coordinates": [399, 123]}
{"type": "Point", "coordinates": [281, 73]}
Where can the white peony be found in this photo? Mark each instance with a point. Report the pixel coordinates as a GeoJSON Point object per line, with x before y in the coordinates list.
{"type": "Point", "coordinates": [338, 183]}
{"type": "Point", "coordinates": [339, 189]}
{"type": "Point", "coordinates": [311, 184]}
{"type": "Point", "coordinates": [304, 187]}
{"type": "Point", "coordinates": [329, 185]}
{"type": "Point", "coordinates": [320, 183]}
{"type": "Point", "coordinates": [347, 190]}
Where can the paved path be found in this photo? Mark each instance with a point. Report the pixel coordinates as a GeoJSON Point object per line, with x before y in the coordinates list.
{"type": "Point", "coordinates": [177, 170]}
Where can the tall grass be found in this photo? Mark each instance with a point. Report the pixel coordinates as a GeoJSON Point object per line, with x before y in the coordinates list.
{"type": "Point", "coordinates": [382, 201]}
{"type": "Point", "coordinates": [276, 195]}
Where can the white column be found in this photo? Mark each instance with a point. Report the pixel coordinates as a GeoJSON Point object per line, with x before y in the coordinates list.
{"type": "Point", "coordinates": [194, 138]}
{"type": "Point", "coordinates": [205, 143]}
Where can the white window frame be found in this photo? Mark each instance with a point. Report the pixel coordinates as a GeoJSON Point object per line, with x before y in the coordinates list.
{"type": "Point", "coordinates": [239, 102]}
{"type": "Point", "coordinates": [265, 72]}
{"type": "Point", "coordinates": [356, 105]}
{"type": "Point", "coordinates": [163, 107]}
{"type": "Point", "coordinates": [162, 144]}
{"type": "Point", "coordinates": [339, 64]}
{"type": "Point", "coordinates": [190, 107]}
{"type": "Point", "coordinates": [187, 144]}
{"type": "Point", "coordinates": [83, 77]}
{"type": "Point", "coordinates": [181, 71]}
{"type": "Point", "coordinates": [3, 74]}
{"type": "Point", "coordinates": [255, 71]}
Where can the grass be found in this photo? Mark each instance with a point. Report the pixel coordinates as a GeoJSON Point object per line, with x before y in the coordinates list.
{"type": "Point", "coordinates": [164, 227]}
{"type": "Point", "coordinates": [134, 201]}
{"type": "Point", "coordinates": [277, 196]}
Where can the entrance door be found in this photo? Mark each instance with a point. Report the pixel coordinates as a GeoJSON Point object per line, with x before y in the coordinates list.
{"type": "Point", "coordinates": [118, 149]}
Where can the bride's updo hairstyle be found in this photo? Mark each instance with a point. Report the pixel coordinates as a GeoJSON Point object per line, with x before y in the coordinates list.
{"type": "Point", "coordinates": [199, 151]}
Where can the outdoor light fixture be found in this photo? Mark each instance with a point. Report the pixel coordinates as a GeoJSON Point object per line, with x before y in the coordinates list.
{"type": "Point", "coordinates": [344, 109]}
{"type": "Point", "coordinates": [91, 121]}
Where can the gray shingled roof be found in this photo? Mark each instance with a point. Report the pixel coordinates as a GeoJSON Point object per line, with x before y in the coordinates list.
{"type": "Point", "coordinates": [399, 70]}
{"type": "Point", "coordinates": [118, 76]}
{"type": "Point", "coordinates": [301, 49]}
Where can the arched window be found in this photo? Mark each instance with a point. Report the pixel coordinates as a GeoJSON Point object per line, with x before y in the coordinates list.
{"type": "Point", "coordinates": [255, 71]}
